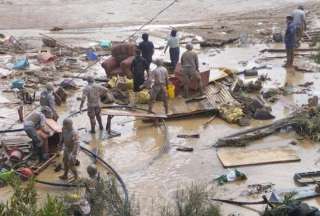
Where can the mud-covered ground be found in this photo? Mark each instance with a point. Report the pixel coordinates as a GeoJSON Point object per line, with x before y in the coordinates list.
{"type": "Point", "coordinates": [97, 13]}
{"type": "Point", "coordinates": [150, 176]}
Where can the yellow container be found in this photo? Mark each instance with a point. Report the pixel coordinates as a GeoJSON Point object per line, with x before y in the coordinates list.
{"type": "Point", "coordinates": [171, 91]}
{"type": "Point", "coordinates": [130, 84]}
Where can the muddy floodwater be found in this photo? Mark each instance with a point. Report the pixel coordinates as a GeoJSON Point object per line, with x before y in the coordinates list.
{"type": "Point", "coordinates": [95, 13]}
{"type": "Point", "coordinates": [143, 155]}
{"type": "Point", "coordinates": [152, 169]}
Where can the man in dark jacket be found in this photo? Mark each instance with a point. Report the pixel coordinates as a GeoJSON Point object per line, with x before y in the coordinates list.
{"type": "Point", "coordinates": [138, 67]}
{"type": "Point", "coordinates": [146, 48]}
{"type": "Point", "coordinates": [290, 41]}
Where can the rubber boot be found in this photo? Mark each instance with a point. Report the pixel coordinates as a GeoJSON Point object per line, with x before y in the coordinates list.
{"type": "Point", "coordinates": [93, 125]}
{"type": "Point", "coordinates": [99, 121]}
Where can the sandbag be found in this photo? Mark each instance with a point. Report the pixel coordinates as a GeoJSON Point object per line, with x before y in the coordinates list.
{"type": "Point", "coordinates": [142, 97]}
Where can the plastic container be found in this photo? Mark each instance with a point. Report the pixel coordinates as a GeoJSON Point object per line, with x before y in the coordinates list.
{"type": "Point", "coordinates": [17, 84]}
{"type": "Point", "coordinates": [171, 91]}
{"type": "Point", "coordinates": [21, 64]}
{"type": "Point", "coordinates": [105, 44]}
{"type": "Point", "coordinates": [91, 56]}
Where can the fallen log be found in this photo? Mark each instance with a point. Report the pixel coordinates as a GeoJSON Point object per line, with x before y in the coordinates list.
{"type": "Point", "coordinates": [217, 42]}
{"type": "Point", "coordinates": [244, 137]}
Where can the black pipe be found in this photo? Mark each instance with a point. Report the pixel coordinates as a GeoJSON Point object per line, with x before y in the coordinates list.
{"type": "Point", "coordinates": [11, 131]}
{"type": "Point", "coordinates": [104, 163]}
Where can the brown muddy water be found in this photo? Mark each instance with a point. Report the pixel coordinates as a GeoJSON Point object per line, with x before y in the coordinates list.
{"type": "Point", "coordinates": [153, 175]}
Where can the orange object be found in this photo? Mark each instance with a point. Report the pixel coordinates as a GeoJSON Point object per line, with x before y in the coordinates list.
{"type": "Point", "coordinates": [26, 173]}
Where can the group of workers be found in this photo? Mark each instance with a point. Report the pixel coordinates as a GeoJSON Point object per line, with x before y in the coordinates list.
{"type": "Point", "coordinates": [36, 128]}
{"type": "Point", "coordinates": [296, 25]}
{"type": "Point", "coordinates": [158, 78]}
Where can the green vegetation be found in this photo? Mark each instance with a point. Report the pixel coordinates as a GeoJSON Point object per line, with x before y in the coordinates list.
{"type": "Point", "coordinates": [192, 201]}
{"type": "Point", "coordinates": [24, 202]}
{"type": "Point", "coordinates": [108, 201]}
{"type": "Point", "coordinates": [307, 124]}
{"type": "Point", "coordinates": [316, 57]}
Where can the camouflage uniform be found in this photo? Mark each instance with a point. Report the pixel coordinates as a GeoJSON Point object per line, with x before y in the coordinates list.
{"type": "Point", "coordinates": [93, 93]}
{"type": "Point", "coordinates": [34, 122]}
{"type": "Point", "coordinates": [71, 143]}
{"type": "Point", "coordinates": [47, 99]}
{"type": "Point", "coordinates": [190, 70]}
{"type": "Point", "coordinates": [94, 187]}
{"type": "Point", "coordinates": [159, 80]}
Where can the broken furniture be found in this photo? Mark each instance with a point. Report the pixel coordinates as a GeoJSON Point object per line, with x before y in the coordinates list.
{"type": "Point", "coordinates": [120, 61]}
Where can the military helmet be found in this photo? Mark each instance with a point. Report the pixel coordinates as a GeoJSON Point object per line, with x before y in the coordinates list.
{"type": "Point", "coordinates": [92, 170]}
{"type": "Point", "coordinates": [189, 46]}
{"type": "Point", "coordinates": [49, 87]}
{"type": "Point", "coordinates": [90, 79]}
{"type": "Point", "coordinates": [67, 121]}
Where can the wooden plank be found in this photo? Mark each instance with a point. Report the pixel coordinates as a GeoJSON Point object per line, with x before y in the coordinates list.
{"type": "Point", "coordinates": [284, 50]}
{"type": "Point", "coordinates": [132, 113]}
{"type": "Point", "coordinates": [300, 193]}
{"type": "Point", "coordinates": [53, 125]}
{"type": "Point", "coordinates": [244, 157]}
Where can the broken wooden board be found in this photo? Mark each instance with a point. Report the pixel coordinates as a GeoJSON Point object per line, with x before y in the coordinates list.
{"type": "Point", "coordinates": [244, 157]}
{"type": "Point", "coordinates": [300, 193]}
{"type": "Point", "coordinates": [217, 74]}
{"type": "Point", "coordinates": [53, 125]}
{"type": "Point", "coordinates": [132, 113]}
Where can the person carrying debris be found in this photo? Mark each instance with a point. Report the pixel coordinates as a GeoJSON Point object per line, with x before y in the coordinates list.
{"type": "Point", "coordinates": [36, 121]}
{"type": "Point", "coordinates": [159, 83]}
{"type": "Point", "coordinates": [299, 20]}
{"type": "Point", "coordinates": [47, 99]}
{"type": "Point", "coordinates": [93, 92]}
{"type": "Point", "coordinates": [190, 69]}
{"type": "Point", "coordinates": [290, 41]}
{"type": "Point", "coordinates": [174, 48]}
{"type": "Point", "coordinates": [71, 144]}
{"type": "Point", "coordinates": [147, 48]}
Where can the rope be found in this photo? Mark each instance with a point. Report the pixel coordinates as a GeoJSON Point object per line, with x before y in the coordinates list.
{"type": "Point", "coordinates": [153, 18]}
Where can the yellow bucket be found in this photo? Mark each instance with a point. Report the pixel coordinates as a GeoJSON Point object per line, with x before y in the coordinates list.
{"type": "Point", "coordinates": [171, 91]}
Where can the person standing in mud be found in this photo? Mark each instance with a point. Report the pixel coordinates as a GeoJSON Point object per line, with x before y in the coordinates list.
{"type": "Point", "coordinates": [299, 20]}
{"type": "Point", "coordinates": [147, 48]}
{"type": "Point", "coordinates": [290, 41]}
{"type": "Point", "coordinates": [47, 99]}
{"type": "Point", "coordinates": [91, 193]}
{"type": "Point", "coordinates": [36, 121]}
{"type": "Point", "coordinates": [93, 92]}
{"type": "Point", "coordinates": [173, 44]}
{"type": "Point", "coordinates": [138, 67]}
{"type": "Point", "coordinates": [159, 83]}
{"type": "Point", "coordinates": [190, 69]}
{"type": "Point", "coordinates": [71, 144]}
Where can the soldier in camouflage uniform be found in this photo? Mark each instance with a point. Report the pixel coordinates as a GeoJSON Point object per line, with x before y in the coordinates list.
{"type": "Point", "coordinates": [47, 99]}
{"type": "Point", "coordinates": [70, 141]}
{"type": "Point", "coordinates": [94, 190]}
{"type": "Point", "coordinates": [36, 121]}
{"type": "Point", "coordinates": [93, 92]}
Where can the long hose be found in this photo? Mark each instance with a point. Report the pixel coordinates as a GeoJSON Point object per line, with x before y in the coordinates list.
{"type": "Point", "coordinates": [104, 163]}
